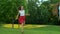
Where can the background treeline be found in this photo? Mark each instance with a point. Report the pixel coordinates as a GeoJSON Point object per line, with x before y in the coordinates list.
{"type": "Point", "coordinates": [39, 13]}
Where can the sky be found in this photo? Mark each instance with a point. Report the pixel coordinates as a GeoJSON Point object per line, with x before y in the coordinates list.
{"type": "Point", "coordinates": [40, 2]}
{"type": "Point", "coordinates": [43, 0]}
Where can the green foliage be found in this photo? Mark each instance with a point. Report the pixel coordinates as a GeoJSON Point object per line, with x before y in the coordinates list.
{"type": "Point", "coordinates": [32, 8]}
{"type": "Point", "coordinates": [9, 9]}
{"type": "Point", "coordinates": [38, 15]}
{"type": "Point", "coordinates": [54, 1]}
{"type": "Point", "coordinates": [41, 14]}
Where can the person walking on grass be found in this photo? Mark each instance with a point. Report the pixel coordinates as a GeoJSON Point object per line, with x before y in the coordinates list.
{"type": "Point", "coordinates": [21, 17]}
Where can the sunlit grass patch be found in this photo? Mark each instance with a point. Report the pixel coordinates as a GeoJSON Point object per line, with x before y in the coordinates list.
{"type": "Point", "coordinates": [26, 26]}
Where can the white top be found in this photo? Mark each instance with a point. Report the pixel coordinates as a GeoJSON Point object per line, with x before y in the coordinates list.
{"type": "Point", "coordinates": [22, 12]}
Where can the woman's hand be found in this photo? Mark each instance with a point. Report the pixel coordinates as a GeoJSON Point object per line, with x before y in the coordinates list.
{"type": "Point", "coordinates": [27, 14]}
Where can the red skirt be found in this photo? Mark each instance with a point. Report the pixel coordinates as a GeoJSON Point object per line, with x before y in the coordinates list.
{"type": "Point", "coordinates": [21, 19]}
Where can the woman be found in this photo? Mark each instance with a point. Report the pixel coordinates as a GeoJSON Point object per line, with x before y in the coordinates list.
{"type": "Point", "coordinates": [21, 18]}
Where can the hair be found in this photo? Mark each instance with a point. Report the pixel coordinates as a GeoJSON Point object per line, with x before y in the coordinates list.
{"type": "Point", "coordinates": [19, 8]}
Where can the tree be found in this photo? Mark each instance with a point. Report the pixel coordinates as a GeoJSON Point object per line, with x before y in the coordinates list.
{"type": "Point", "coordinates": [9, 9]}
{"type": "Point", "coordinates": [42, 14]}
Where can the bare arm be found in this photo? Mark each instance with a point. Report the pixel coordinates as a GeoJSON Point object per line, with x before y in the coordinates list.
{"type": "Point", "coordinates": [17, 16]}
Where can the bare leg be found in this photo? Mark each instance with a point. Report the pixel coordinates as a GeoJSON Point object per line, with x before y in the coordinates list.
{"type": "Point", "coordinates": [22, 26]}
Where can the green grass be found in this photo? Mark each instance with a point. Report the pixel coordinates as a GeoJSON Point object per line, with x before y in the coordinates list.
{"type": "Point", "coordinates": [51, 29]}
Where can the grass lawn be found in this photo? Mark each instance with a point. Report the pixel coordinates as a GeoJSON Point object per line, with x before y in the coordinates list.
{"type": "Point", "coordinates": [32, 29]}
